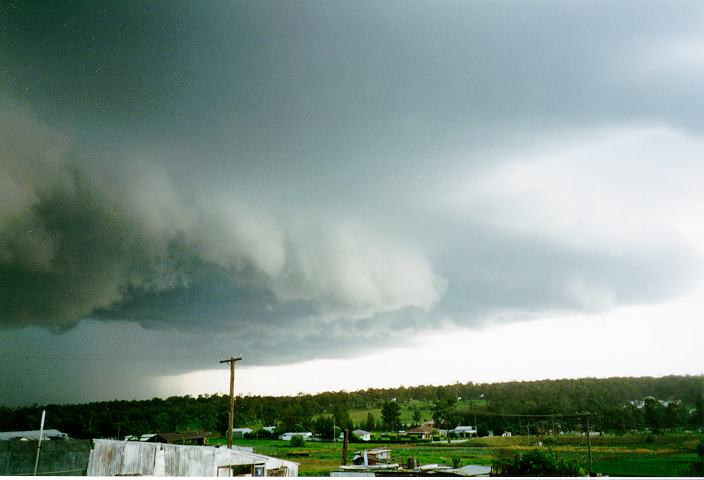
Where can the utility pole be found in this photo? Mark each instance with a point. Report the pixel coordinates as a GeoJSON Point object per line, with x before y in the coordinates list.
{"type": "Point", "coordinates": [231, 417]}
{"type": "Point", "coordinates": [589, 445]}
{"type": "Point", "coordinates": [345, 441]}
{"type": "Point", "coordinates": [39, 445]}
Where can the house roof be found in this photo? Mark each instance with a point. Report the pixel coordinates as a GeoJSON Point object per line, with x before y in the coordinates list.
{"type": "Point", "coordinates": [180, 436]}
{"type": "Point", "coordinates": [471, 471]}
{"type": "Point", "coordinates": [421, 429]}
{"type": "Point", "coordinates": [464, 428]}
{"type": "Point", "coordinates": [32, 434]}
{"type": "Point", "coordinates": [112, 457]}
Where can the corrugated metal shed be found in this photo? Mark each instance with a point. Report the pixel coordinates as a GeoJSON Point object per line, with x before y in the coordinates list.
{"type": "Point", "coordinates": [49, 433]}
{"type": "Point", "coordinates": [115, 457]}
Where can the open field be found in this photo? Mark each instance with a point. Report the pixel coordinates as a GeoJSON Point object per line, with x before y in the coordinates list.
{"type": "Point", "coordinates": [359, 415]}
{"type": "Point", "coordinates": [630, 455]}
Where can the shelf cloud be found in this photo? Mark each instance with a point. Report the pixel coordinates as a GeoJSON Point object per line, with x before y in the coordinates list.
{"type": "Point", "coordinates": [318, 180]}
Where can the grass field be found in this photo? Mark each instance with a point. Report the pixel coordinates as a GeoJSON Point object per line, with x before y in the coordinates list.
{"type": "Point", "coordinates": [359, 416]}
{"type": "Point", "coordinates": [632, 455]}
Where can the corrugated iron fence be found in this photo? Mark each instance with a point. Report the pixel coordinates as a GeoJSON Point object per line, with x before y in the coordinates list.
{"type": "Point", "coordinates": [58, 457]}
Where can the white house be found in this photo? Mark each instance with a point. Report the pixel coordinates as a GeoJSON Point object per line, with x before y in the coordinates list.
{"type": "Point", "coordinates": [465, 431]}
{"type": "Point", "coordinates": [363, 435]}
{"type": "Point", "coordinates": [240, 432]}
{"type": "Point", "coordinates": [506, 434]}
{"type": "Point", "coordinates": [289, 435]}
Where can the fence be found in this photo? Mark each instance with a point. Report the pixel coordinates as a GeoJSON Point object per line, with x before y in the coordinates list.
{"type": "Point", "coordinates": [58, 457]}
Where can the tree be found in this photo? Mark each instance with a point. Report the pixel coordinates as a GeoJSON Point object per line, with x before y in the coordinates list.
{"type": "Point", "coordinates": [653, 414]}
{"type": "Point", "coordinates": [391, 415]}
{"type": "Point", "coordinates": [342, 417]}
{"type": "Point", "coordinates": [698, 417]}
{"type": "Point", "coordinates": [674, 414]}
{"type": "Point", "coordinates": [416, 415]}
{"type": "Point", "coordinates": [325, 427]}
{"type": "Point", "coordinates": [370, 424]}
{"type": "Point", "coordinates": [444, 413]}
{"type": "Point", "coordinates": [292, 417]}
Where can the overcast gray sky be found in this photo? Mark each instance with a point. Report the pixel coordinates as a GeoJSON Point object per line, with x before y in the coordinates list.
{"type": "Point", "coordinates": [328, 181]}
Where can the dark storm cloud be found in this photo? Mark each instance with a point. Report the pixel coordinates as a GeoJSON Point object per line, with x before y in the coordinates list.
{"type": "Point", "coordinates": [308, 179]}
{"type": "Point", "coordinates": [82, 242]}
{"type": "Point", "coordinates": [417, 70]}
{"type": "Point", "coordinates": [65, 247]}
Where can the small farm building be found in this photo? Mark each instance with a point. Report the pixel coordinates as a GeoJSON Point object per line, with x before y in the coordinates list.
{"type": "Point", "coordinates": [25, 435]}
{"type": "Point", "coordinates": [240, 432]}
{"type": "Point", "coordinates": [289, 435]}
{"type": "Point", "coordinates": [465, 430]}
{"type": "Point", "coordinates": [183, 438]}
{"type": "Point", "coordinates": [424, 432]}
{"type": "Point", "coordinates": [362, 435]}
{"type": "Point", "coordinates": [119, 458]}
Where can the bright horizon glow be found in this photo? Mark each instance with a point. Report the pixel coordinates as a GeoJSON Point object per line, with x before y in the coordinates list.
{"type": "Point", "coordinates": [624, 342]}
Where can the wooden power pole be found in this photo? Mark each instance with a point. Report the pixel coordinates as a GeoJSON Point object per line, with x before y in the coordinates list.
{"type": "Point", "coordinates": [345, 441]}
{"type": "Point", "coordinates": [231, 416]}
{"type": "Point", "coordinates": [589, 445]}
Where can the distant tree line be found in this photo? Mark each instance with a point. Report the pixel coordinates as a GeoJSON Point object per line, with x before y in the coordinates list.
{"type": "Point", "coordinates": [617, 405]}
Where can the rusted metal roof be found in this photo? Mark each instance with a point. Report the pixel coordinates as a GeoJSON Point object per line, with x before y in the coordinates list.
{"type": "Point", "coordinates": [421, 429]}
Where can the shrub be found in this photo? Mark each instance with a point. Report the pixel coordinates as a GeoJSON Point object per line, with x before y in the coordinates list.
{"type": "Point", "coordinates": [548, 441]}
{"type": "Point", "coordinates": [698, 465]}
{"type": "Point", "coordinates": [297, 441]}
{"type": "Point", "coordinates": [261, 433]}
{"type": "Point", "coordinates": [536, 463]}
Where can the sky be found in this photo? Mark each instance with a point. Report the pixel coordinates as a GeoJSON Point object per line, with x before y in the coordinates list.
{"type": "Point", "coordinates": [433, 191]}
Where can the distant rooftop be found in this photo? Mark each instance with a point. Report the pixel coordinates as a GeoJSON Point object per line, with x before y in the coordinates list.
{"type": "Point", "coordinates": [32, 435]}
